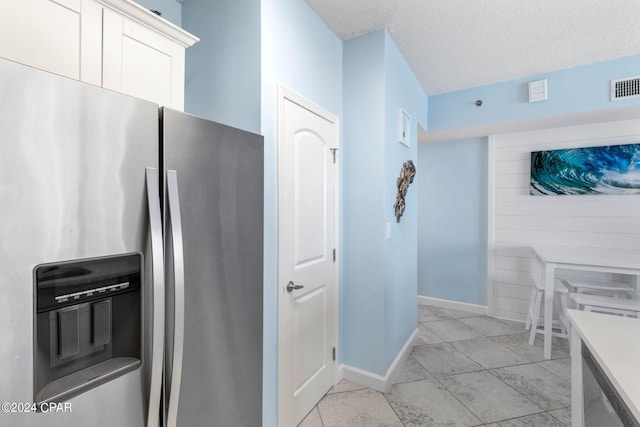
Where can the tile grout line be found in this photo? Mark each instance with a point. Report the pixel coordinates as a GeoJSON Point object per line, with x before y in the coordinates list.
{"type": "Point", "coordinates": [384, 395]}
{"type": "Point", "coordinates": [319, 413]}
{"type": "Point", "coordinates": [542, 410]}
{"type": "Point", "coordinates": [482, 370]}
{"type": "Point", "coordinates": [461, 402]}
{"type": "Point", "coordinates": [439, 380]}
{"type": "Point", "coordinates": [532, 363]}
{"type": "Point", "coordinates": [430, 332]}
{"type": "Point", "coordinates": [549, 370]}
{"type": "Point", "coordinates": [525, 397]}
{"type": "Point", "coordinates": [559, 420]}
{"type": "Point", "coordinates": [449, 391]}
{"type": "Point", "coordinates": [500, 379]}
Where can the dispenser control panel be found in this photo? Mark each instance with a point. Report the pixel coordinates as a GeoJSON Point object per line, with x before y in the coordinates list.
{"type": "Point", "coordinates": [64, 284]}
{"type": "Point", "coordinates": [91, 292]}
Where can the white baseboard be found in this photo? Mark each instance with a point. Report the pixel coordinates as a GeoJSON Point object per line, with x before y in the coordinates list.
{"type": "Point", "coordinates": [454, 305]}
{"type": "Point", "coordinates": [375, 381]}
{"type": "Point", "coordinates": [365, 378]}
{"type": "Point", "coordinates": [510, 320]}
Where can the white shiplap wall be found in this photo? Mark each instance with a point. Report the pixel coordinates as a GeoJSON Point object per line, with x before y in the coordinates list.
{"type": "Point", "coordinates": [518, 220]}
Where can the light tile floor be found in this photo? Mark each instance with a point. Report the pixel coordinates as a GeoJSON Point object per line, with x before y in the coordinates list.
{"type": "Point", "coordinates": [465, 370]}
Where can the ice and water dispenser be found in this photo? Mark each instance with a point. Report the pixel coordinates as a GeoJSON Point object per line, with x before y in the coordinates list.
{"type": "Point", "coordinates": [87, 324]}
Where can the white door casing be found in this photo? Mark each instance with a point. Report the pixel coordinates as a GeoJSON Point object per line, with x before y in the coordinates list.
{"type": "Point", "coordinates": [307, 238]}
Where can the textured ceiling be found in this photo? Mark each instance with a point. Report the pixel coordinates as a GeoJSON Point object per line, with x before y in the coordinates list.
{"type": "Point", "coordinates": [458, 44]}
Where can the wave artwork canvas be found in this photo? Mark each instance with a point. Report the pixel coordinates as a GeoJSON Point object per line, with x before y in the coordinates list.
{"type": "Point", "coordinates": [613, 169]}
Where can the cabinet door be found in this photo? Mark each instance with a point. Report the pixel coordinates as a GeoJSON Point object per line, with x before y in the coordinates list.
{"type": "Point", "coordinates": [140, 62]}
{"type": "Point", "coordinates": [44, 34]}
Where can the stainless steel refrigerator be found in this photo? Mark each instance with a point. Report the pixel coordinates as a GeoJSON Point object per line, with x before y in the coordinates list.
{"type": "Point", "coordinates": [131, 264]}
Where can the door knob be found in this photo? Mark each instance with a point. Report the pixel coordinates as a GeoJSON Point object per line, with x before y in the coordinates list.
{"type": "Point", "coordinates": [292, 286]}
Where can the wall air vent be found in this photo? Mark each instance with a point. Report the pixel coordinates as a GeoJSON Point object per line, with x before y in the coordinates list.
{"type": "Point", "coordinates": [538, 90]}
{"type": "Point", "coordinates": [626, 88]}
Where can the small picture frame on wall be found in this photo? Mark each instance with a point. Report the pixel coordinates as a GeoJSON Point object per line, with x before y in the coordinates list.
{"type": "Point", "coordinates": [404, 128]}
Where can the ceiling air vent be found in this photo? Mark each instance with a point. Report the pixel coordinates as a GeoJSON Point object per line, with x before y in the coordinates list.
{"type": "Point", "coordinates": [626, 88]}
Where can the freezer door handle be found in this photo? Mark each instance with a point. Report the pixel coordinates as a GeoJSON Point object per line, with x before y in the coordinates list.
{"type": "Point", "coordinates": [157, 260]}
{"type": "Point", "coordinates": [178, 269]}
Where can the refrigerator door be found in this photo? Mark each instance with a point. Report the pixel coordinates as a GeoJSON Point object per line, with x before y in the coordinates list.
{"type": "Point", "coordinates": [72, 186]}
{"type": "Point", "coordinates": [219, 173]}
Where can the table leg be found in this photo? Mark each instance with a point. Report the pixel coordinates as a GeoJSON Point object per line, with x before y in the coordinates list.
{"type": "Point", "coordinates": [548, 308]}
{"type": "Point", "coordinates": [576, 379]}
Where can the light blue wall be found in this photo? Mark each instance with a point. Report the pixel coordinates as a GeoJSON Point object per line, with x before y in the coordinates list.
{"type": "Point", "coordinates": [362, 285]}
{"type": "Point", "coordinates": [402, 90]}
{"type": "Point", "coordinates": [453, 195]}
{"type": "Point", "coordinates": [452, 231]}
{"type": "Point", "coordinates": [170, 9]}
{"type": "Point", "coordinates": [573, 90]}
{"type": "Point", "coordinates": [301, 53]}
{"type": "Point", "coordinates": [223, 68]}
{"type": "Point", "coordinates": [379, 282]}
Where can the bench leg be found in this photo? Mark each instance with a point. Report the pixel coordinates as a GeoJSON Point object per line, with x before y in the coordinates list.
{"type": "Point", "coordinates": [535, 317]}
{"type": "Point", "coordinates": [532, 302]}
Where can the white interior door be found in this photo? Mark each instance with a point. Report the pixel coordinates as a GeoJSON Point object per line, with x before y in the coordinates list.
{"type": "Point", "coordinates": [307, 283]}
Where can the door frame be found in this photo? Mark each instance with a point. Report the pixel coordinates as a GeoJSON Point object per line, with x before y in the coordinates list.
{"type": "Point", "coordinates": [283, 94]}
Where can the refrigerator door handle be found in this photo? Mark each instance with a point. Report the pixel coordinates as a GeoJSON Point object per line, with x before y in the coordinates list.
{"type": "Point", "coordinates": [178, 269]}
{"type": "Point", "coordinates": [157, 260]}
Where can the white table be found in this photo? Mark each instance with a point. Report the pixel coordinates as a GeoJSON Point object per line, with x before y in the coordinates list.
{"type": "Point", "coordinates": [614, 343]}
{"type": "Point", "coordinates": [551, 258]}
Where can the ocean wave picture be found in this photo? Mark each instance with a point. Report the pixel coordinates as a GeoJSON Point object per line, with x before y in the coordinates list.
{"type": "Point", "coordinates": [613, 169]}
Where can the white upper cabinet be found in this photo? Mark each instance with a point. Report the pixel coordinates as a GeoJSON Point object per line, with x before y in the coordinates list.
{"type": "Point", "coordinates": [116, 44]}
{"type": "Point", "coordinates": [42, 33]}
{"type": "Point", "coordinates": [143, 54]}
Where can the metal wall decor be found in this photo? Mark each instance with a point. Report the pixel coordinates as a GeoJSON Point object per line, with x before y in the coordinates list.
{"type": "Point", "coordinates": [407, 173]}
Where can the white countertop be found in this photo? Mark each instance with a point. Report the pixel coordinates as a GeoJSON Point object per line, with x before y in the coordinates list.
{"type": "Point", "coordinates": [614, 342]}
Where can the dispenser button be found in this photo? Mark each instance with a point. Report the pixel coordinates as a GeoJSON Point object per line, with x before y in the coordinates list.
{"type": "Point", "coordinates": [68, 332]}
{"type": "Point", "coordinates": [101, 312]}
{"type": "Point", "coordinates": [62, 298]}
